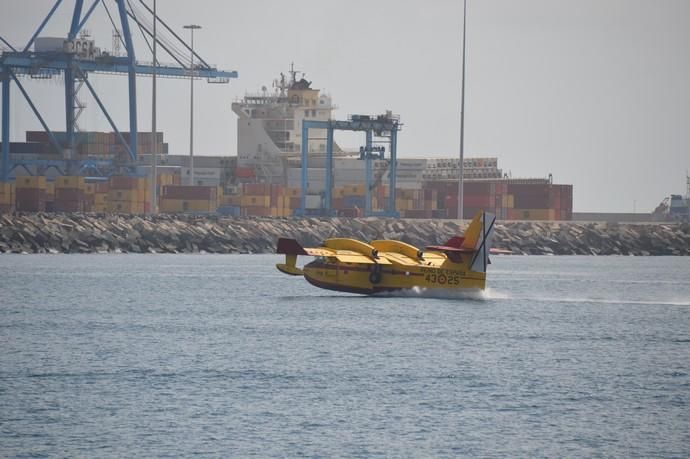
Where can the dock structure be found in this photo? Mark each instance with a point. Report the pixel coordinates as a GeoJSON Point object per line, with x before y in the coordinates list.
{"type": "Point", "coordinates": [75, 56]}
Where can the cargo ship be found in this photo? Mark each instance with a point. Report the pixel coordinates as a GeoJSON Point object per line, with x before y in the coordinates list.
{"type": "Point", "coordinates": [268, 153]}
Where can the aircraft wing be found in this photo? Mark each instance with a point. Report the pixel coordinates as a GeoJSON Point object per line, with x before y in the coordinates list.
{"type": "Point", "coordinates": [292, 247]}
{"type": "Point", "coordinates": [319, 252]}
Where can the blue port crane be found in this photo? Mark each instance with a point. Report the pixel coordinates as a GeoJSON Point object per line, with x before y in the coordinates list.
{"type": "Point", "coordinates": [76, 59]}
{"type": "Point", "coordinates": [384, 126]}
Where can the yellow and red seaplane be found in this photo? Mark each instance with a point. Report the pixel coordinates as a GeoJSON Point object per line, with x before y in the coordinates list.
{"type": "Point", "coordinates": [349, 265]}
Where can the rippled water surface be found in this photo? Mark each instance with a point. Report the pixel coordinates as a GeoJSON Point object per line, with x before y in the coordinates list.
{"type": "Point", "coordinates": [175, 355]}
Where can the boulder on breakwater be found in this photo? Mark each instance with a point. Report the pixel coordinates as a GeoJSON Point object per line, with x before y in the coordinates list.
{"type": "Point", "coordinates": [89, 233]}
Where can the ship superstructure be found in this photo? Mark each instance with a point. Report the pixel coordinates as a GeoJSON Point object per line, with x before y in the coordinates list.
{"type": "Point", "coordinates": [269, 126]}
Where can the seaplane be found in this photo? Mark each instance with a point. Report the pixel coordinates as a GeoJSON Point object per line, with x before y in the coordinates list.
{"type": "Point", "coordinates": [353, 266]}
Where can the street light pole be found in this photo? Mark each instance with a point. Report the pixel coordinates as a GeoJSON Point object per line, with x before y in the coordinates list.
{"type": "Point", "coordinates": [461, 167]}
{"type": "Point", "coordinates": [192, 28]}
{"type": "Point", "coordinates": [154, 155]}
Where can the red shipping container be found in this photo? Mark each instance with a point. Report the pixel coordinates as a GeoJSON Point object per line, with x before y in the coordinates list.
{"type": "Point", "coordinates": [123, 183]}
{"type": "Point", "coordinates": [531, 201]}
{"type": "Point", "coordinates": [478, 201]}
{"type": "Point", "coordinates": [190, 192]}
{"type": "Point", "coordinates": [69, 194]}
{"type": "Point", "coordinates": [257, 189]}
{"type": "Point", "coordinates": [102, 187]}
{"type": "Point", "coordinates": [30, 200]}
{"type": "Point", "coordinates": [295, 203]}
{"type": "Point", "coordinates": [477, 188]}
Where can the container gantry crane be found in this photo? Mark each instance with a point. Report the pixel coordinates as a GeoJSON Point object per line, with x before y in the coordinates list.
{"type": "Point", "coordinates": [75, 60]}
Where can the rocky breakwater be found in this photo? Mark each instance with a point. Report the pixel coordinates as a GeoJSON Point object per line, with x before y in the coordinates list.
{"type": "Point", "coordinates": [88, 233]}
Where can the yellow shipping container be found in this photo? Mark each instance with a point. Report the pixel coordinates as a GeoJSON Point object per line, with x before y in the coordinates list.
{"type": "Point", "coordinates": [338, 192]}
{"type": "Point", "coordinates": [29, 181]}
{"type": "Point", "coordinates": [255, 201]}
{"type": "Point", "coordinates": [89, 188]}
{"type": "Point", "coordinates": [231, 200]}
{"type": "Point", "coordinates": [6, 193]}
{"type": "Point", "coordinates": [70, 181]}
{"type": "Point", "coordinates": [166, 179]}
{"type": "Point", "coordinates": [404, 204]}
{"type": "Point", "coordinates": [404, 193]}
{"type": "Point", "coordinates": [508, 201]}
{"type": "Point", "coordinates": [354, 190]}
{"type": "Point", "coordinates": [100, 208]}
{"type": "Point", "coordinates": [274, 212]}
{"type": "Point", "coordinates": [187, 205]}
{"type": "Point", "coordinates": [293, 192]}
{"type": "Point", "coordinates": [100, 198]}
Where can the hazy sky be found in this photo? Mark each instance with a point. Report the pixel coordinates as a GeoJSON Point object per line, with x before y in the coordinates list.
{"type": "Point", "coordinates": [596, 92]}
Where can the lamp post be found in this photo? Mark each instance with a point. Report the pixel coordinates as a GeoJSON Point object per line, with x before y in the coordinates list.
{"type": "Point", "coordinates": [154, 155]}
{"type": "Point", "coordinates": [461, 167]}
{"type": "Point", "coordinates": [192, 28]}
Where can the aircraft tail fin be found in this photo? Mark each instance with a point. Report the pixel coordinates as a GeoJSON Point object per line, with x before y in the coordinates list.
{"type": "Point", "coordinates": [478, 238]}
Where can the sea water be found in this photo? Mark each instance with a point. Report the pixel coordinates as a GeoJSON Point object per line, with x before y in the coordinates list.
{"type": "Point", "coordinates": [223, 356]}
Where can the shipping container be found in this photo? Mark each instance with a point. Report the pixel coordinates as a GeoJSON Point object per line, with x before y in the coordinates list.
{"type": "Point", "coordinates": [124, 183]}
{"type": "Point", "coordinates": [256, 211]}
{"type": "Point", "coordinates": [73, 182]}
{"type": "Point", "coordinates": [69, 194]}
{"type": "Point", "coordinates": [190, 192]}
{"type": "Point", "coordinates": [7, 193]}
{"type": "Point", "coordinates": [255, 201]}
{"type": "Point", "coordinates": [187, 205]}
{"type": "Point", "coordinates": [30, 200]}
{"type": "Point", "coordinates": [31, 182]}
{"type": "Point", "coordinates": [256, 189]}
{"type": "Point", "coordinates": [125, 195]}
{"type": "Point", "coordinates": [231, 200]}
{"type": "Point", "coordinates": [483, 201]}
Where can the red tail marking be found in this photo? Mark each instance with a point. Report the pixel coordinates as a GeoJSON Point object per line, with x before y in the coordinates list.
{"type": "Point", "coordinates": [455, 242]}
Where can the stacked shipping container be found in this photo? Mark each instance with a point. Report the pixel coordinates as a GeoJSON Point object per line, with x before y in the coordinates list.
{"type": "Point", "coordinates": [6, 197]}
{"type": "Point", "coordinates": [192, 199]}
{"type": "Point", "coordinates": [31, 194]}
{"type": "Point", "coordinates": [127, 195]}
{"type": "Point", "coordinates": [71, 195]}
{"type": "Point", "coordinates": [101, 145]}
